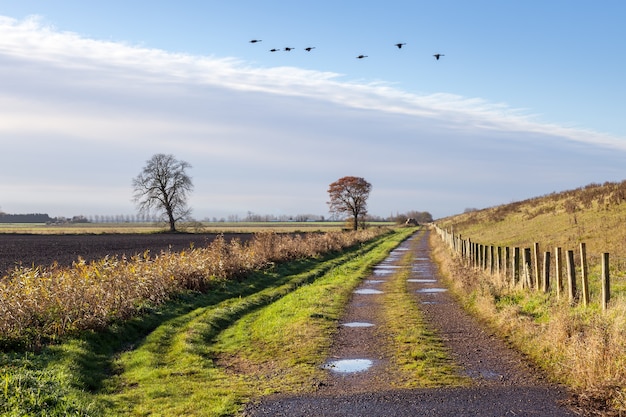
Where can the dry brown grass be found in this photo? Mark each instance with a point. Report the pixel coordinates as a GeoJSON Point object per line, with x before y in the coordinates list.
{"type": "Point", "coordinates": [40, 305]}
{"type": "Point", "coordinates": [582, 347]}
{"type": "Point", "coordinates": [594, 214]}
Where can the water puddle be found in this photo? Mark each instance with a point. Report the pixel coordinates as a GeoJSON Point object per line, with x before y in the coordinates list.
{"type": "Point", "coordinates": [429, 302]}
{"type": "Point", "coordinates": [358, 324]}
{"type": "Point", "coordinates": [349, 365]}
{"type": "Point", "coordinates": [367, 291]}
{"type": "Point", "coordinates": [432, 290]}
{"type": "Point", "coordinates": [374, 281]}
{"type": "Point", "coordinates": [382, 269]}
{"type": "Point", "coordinates": [424, 281]}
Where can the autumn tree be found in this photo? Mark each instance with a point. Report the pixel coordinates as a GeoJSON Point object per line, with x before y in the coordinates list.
{"type": "Point", "coordinates": [163, 186]}
{"type": "Point", "coordinates": [348, 195]}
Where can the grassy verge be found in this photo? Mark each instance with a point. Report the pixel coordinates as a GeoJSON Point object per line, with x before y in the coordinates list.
{"type": "Point", "coordinates": [179, 360]}
{"type": "Point", "coordinates": [583, 348]}
{"type": "Point", "coordinates": [419, 353]}
{"type": "Point", "coordinates": [212, 360]}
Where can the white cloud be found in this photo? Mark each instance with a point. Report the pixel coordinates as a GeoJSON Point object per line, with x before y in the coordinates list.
{"type": "Point", "coordinates": [79, 111]}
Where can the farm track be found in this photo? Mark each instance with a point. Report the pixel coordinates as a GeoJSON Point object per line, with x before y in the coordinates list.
{"type": "Point", "coordinates": [503, 383]}
{"type": "Point", "coordinates": [42, 250]}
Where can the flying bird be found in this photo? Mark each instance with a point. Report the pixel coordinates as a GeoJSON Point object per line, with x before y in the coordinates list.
{"type": "Point", "coordinates": [308, 49]}
{"type": "Point", "coordinates": [288, 49]}
{"type": "Point", "coordinates": [274, 50]}
{"type": "Point", "coordinates": [255, 40]}
{"type": "Point", "coordinates": [362, 56]}
{"type": "Point", "coordinates": [400, 45]}
{"type": "Point", "coordinates": [437, 56]}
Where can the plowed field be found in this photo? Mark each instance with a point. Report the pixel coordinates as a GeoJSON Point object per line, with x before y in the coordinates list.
{"type": "Point", "coordinates": [42, 250]}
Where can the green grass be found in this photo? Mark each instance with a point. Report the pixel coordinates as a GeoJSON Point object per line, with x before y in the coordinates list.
{"type": "Point", "coordinates": [202, 354]}
{"type": "Point", "coordinates": [214, 359]}
{"type": "Point", "coordinates": [421, 357]}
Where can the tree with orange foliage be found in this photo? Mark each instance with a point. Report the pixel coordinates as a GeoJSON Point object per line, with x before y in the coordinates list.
{"type": "Point", "coordinates": [348, 195]}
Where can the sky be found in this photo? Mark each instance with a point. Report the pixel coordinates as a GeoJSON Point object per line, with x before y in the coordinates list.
{"type": "Point", "coordinates": [527, 99]}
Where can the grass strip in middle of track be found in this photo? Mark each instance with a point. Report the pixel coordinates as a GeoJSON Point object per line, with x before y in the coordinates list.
{"type": "Point", "coordinates": [420, 356]}
{"type": "Point", "coordinates": [213, 359]}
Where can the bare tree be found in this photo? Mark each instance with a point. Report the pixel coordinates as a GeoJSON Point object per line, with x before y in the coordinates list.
{"type": "Point", "coordinates": [348, 195]}
{"type": "Point", "coordinates": [163, 185]}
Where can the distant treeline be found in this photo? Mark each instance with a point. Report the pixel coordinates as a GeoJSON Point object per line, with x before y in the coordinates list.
{"type": "Point", "coordinates": [25, 218]}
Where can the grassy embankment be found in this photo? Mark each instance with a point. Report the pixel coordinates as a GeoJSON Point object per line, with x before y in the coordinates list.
{"type": "Point", "coordinates": [180, 359]}
{"type": "Point", "coordinates": [583, 347]}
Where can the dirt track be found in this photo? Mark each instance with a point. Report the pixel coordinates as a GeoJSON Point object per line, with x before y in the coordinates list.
{"type": "Point", "coordinates": [503, 382]}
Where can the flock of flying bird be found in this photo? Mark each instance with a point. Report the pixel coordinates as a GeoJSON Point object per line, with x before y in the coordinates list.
{"type": "Point", "coordinates": [310, 48]}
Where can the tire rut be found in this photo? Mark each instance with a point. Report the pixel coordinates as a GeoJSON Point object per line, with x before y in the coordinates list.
{"type": "Point", "coordinates": [503, 383]}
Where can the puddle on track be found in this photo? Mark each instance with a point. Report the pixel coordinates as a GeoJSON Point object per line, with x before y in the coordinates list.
{"type": "Point", "coordinates": [347, 366]}
{"type": "Point", "coordinates": [367, 291]}
{"type": "Point", "coordinates": [432, 290]}
{"type": "Point", "coordinates": [424, 281]}
{"type": "Point", "coordinates": [358, 324]}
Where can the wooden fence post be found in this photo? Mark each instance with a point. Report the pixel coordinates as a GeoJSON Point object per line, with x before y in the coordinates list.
{"type": "Point", "coordinates": [558, 269]}
{"type": "Point", "coordinates": [527, 264]}
{"type": "Point", "coordinates": [476, 254]}
{"type": "Point", "coordinates": [606, 282]}
{"type": "Point", "coordinates": [584, 274]}
{"type": "Point", "coordinates": [507, 259]}
{"type": "Point", "coordinates": [485, 250]}
{"type": "Point", "coordinates": [515, 272]}
{"type": "Point", "coordinates": [492, 260]}
{"type": "Point", "coordinates": [546, 272]}
{"type": "Point", "coordinates": [499, 260]}
{"type": "Point", "coordinates": [571, 276]}
{"type": "Point", "coordinates": [537, 262]}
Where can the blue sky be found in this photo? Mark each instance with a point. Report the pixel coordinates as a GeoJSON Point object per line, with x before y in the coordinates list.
{"type": "Point", "coordinates": [528, 99]}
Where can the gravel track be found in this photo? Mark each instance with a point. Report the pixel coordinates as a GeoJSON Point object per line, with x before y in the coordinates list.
{"type": "Point", "coordinates": [503, 381]}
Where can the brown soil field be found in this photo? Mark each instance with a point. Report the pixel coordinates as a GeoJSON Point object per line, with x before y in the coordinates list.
{"type": "Point", "coordinates": [30, 250]}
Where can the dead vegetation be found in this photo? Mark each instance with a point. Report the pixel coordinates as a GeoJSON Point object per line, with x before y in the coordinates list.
{"type": "Point", "coordinates": [581, 346]}
{"type": "Point", "coordinates": [40, 305]}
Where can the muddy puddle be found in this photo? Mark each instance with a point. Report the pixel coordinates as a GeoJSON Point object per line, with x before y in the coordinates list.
{"type": "Point", "coordinates": [347, 366]}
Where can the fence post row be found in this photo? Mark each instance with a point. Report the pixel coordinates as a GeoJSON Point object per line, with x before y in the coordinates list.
{"type": "Point", "coordinates": [528, 271]}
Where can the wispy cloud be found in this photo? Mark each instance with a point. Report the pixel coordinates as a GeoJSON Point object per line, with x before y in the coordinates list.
{"type": "Point", "coordinates": [77, 110]}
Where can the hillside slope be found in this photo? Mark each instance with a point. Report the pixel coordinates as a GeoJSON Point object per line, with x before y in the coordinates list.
{"type": "Point", "coordinates": [594, 214]}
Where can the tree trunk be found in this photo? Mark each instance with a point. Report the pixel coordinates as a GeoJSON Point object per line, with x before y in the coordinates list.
{"type": "Point", "coordinates": [170, 216]}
